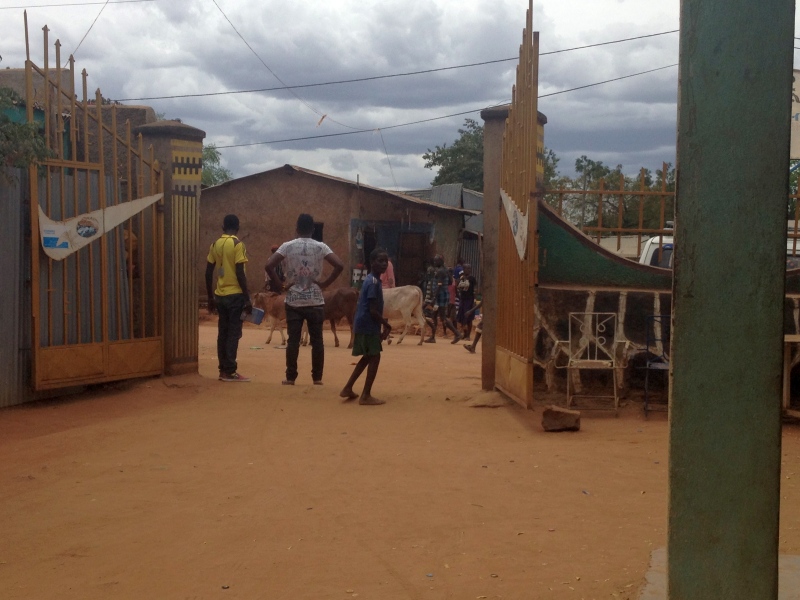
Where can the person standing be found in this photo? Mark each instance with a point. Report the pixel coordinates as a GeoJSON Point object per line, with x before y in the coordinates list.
{"type": "Point", "coordinates": [231, 298]}
{"type": "Point", "coordinates": [452, 299]}
{"type": "Point", "coordinates": [303, 259]}
{"type": "Point", "coordinates": [440, 300]}
{"type": "Point", "coordinates": [466, 297]}
{"type": "Point", "coordinates": [478, 329]}
{"type": "Point", "coordinates": [387, 277]}
{"type": "Point", "coordinates": [370, 329]}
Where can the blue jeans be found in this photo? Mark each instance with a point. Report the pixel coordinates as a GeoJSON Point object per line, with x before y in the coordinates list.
{"type": "Point", "coordinates": [229, 330]}
{"type": "Point", "coordinates": [314, 316]}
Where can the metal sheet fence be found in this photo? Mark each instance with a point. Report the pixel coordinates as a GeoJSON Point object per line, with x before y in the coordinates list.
{"type": "Point", "coordinates": [15, 324]}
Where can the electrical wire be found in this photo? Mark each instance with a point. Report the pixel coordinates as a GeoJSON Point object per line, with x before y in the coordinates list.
{"type": "Point", "coordinates": [377, 77]}
{"type": "Point", "coordinates": [275, 75]}
{"type": "Point", "coordinates": [582, 87]}
{"type": "Point", "coordinates": [75, 4]}
{"type": "Point", "coordinates": [388, 160]}
{"type": "Point", "coordinates": [458, 114]}
{"type": "Point", "coordinates": [74, 52]}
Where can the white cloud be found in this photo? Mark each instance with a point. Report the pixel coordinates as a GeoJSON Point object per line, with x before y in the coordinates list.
{"type": "Point", "coordinates": [173, 48]}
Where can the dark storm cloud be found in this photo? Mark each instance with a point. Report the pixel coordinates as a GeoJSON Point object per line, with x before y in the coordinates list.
{"type": "Point", "coordinates": [170, 48]}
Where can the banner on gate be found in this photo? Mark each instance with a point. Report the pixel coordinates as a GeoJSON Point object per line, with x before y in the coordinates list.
{"type": "Point", "coordinates": [62, 238]}
{"type": "Point", "coordinates": [518, 223]}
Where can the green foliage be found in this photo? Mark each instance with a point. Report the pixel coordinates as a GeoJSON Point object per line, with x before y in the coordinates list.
{"type": "Point", "coordinates": [591, 172]}
{"type": "Point", "coordinates": [21, 144]}
{"type": "Point", "coordinates": [463, 161]}
{"type": "Point", "coordinates": [213, 172]}
{"type": "Point", "coordinates": [552, 178]}
{"type": "Point", "coordinates": [582, 209]}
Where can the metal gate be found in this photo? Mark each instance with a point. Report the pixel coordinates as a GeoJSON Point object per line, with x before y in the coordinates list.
{"type": "Point", "coordinates": [517, 246]}
{"type": "Point", "coordinates": [98, 313]}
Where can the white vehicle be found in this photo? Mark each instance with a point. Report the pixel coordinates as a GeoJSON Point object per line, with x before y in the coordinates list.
{"type": "Point", "coordinates": [651, 255]}
{"type": "Point", "coordinates": [657, 252]}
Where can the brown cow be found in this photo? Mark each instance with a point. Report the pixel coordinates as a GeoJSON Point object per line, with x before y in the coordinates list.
{"type": "Point", "coordinates": [339, 304]}
{"type": "Point", "coordinates": [274, 307]}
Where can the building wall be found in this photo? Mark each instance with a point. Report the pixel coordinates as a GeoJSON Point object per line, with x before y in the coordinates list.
{"type": "Point", "coordinates": [268, 204]}
{"type": "Point", "coordinates": [390, 218]}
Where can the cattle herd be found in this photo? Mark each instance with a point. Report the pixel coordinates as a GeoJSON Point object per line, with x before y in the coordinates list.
{"type": "Point", "coordinates": [404, 302]}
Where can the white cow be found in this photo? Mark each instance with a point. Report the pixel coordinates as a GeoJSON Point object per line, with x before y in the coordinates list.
{"type": "Point", "coordinates": [404, 302]}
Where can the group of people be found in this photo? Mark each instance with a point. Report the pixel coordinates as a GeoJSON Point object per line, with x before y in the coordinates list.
{"type": "Point", "coordinates": [298, 264]}
{"type": "Point", "coordinates": [450, 296]}
{"type": "Point", "coordinates": [296, 267]}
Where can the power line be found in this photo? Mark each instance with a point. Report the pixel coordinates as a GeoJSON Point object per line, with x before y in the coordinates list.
{"type": "Point", "coordinates": [388, 160]}
{"type": "Point", "coordinates": [246, 43]}
{"type": "Point", "coordinates": [74, 52]}
{"type": "Point", "coordinates": [458, 114]}
{"type": "Point", "coordinates": [608, 81]}
{"type": "Point", "coordinates": [75, 4]}
{"type": "Point", "coordinates": [377, 77]}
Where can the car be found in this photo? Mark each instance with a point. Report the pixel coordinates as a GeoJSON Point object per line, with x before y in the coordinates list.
{"type": "Point", "coordinates": [657, 251]}
{"type": "Point", "coordinates": [651, 256]}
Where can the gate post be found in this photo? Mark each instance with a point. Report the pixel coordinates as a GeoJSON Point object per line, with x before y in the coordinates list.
{"type": "Point", "coordinates": [179, 150]}
{"type": "Point", "coordinates": [493, 129]}
{"type": "Point", "coordinates": [728, 295]}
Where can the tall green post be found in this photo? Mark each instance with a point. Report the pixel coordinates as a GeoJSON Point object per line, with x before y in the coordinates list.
{"type": "Point", "coordinates": [733, 159]}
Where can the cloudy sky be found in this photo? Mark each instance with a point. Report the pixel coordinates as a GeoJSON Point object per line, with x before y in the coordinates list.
{"type": "Point", "coordinates": [154, 48]}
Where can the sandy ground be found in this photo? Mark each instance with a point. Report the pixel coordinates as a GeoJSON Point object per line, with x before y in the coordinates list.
{"type": "Point", "coordinates": [187, 487]}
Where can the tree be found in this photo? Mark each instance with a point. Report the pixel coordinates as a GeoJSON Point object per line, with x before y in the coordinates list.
{"type": "Point", "coordinates": [552, 178]}
{"type": "Point", "coordinates": [213, 172]}
{"type": "Point", "coordinates": [463, 161]}
{"type": "Point", "coordinates": [590, 173]}
{"type": "Point", "coordinates": [21, 144]}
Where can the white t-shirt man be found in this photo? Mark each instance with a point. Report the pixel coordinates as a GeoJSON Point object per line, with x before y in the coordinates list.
{"type": "Point", "coordinates": [303, 260]}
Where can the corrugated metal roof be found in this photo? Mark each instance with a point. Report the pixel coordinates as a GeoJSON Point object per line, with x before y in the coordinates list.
{"type": "Point", "coordinates": [448, 194]}
{"type": "Point", "coordinates": [398, 195]}
{"type": "Point", "coordinates": [474, 224]}
{"type": "Point", "coordinates": [474, 201]}
{"type": "Point", "coordinates": [424, 194]}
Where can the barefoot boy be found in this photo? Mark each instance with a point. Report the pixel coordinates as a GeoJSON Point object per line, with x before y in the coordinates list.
{"type": "Point", "coordinates": [370, 328]}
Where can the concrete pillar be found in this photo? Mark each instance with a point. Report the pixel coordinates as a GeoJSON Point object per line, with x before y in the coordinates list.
{"type": "Point", "coordinates": [179, 150]}
{"type": "Point", "coordinates": [733, 153]}
{"type": "Point", "coordinates": [494, 123]}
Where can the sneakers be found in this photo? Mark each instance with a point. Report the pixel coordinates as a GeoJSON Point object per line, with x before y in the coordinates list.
{"type": "Point", "coordinates": [430, 340]}
{"type": "Point", "coordinates": [232, 377]}
{"type": "Point", "coordinates": [456, 338]}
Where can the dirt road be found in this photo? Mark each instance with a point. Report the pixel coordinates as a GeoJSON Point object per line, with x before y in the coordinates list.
{"type": "Point", "coordinates": [190, 488]}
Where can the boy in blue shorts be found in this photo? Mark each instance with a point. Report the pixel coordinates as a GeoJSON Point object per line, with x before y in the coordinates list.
{"type": "Point", "coordinates": [370, 328]}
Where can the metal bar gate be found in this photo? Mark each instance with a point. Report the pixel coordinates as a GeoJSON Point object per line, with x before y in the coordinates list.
{"type": "Point", "coordinates": [98, 314]}
{"type": "Point", "coordinates": [517, 246]}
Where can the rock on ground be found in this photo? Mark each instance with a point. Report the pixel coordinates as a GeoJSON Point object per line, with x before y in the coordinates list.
{"type": "Point", "coordinates": [555, 418]}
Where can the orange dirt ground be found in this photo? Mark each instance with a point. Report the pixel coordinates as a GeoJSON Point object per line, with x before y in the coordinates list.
{"type": "Point", "coordinates": [187, 487]}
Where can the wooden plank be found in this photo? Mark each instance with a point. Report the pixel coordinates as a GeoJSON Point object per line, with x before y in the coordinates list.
{"type": "Point", "coordinates": [70, 363]}
{"type": "Point", "coordinates": [135, 357]}
{"type": "Point", "coordinates": [514, 377]}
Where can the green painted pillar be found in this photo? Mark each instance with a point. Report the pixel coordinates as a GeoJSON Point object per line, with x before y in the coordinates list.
{"type": "Point", "coordinates": [733, 156]}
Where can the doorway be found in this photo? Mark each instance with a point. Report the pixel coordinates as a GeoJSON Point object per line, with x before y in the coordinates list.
{"type": "Point", "coordinates": [413, 252]}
